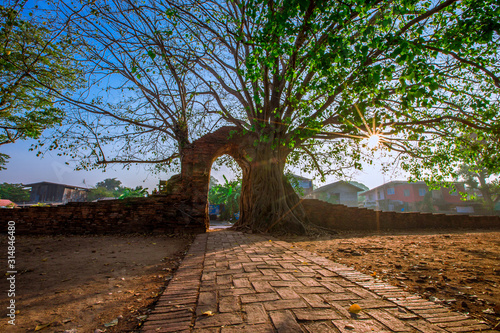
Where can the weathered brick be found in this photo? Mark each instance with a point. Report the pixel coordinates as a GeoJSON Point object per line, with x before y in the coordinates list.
{"type": "Point", "coordinates": [280, 283]}
{"type": "Point", "coordinates": [255, 313]}
{"type": "Point", "coordinates": [262, 286]}
{"type": "Point", "coordinates": [259, 328]}
{"type": "Point", "coordinates": [345, 296]}
{"type": "Point", "coordinates": [319, 327]}
{"type": "Point", "coordinates": [263, 297]}
{"type": "Point", "coordinates": [460, 323]}
{"type": "Point", "coordinates": [401, 313]}
{"type": "Point", "coordinates": [333, 287]}
{"type": "Point", "coordinates": [389, 320]}
{"type": "Point", "coordinates": [472, 328]}
{"type": "Point", "coordinates": [207, 301]}
{"type": "Point", "coordinates": [434, 312]}
{"type": "Point", "coordinates": [425, 326]}
{"type": "Point", "coordinates": [449, 317]}
{"type": "Point", "coordinates": [218, 320]}
{"type": "Point", "coordinates": [287, 293]}
{"type": "Point", "coordinates": [375, 304]}
{"type": "Point", "coordinates": [311, 290]}
{"type": "Point", "coordinates": [287, 277]}
{"type": "Point", "coordinates": [285, 322]}
{"type": "Point", "coordinates": [224, 279]}
{"type": "Point", "coordinates": [229, 304]}
{"type": "Point", "coordinates": [363, 292]}
{"type": "Point", "coordinates": [316, 314]}
{"type": "Point", "coordinates": [344, 326]}
{"type": "Point", "coordinates": [309, 282]}
{"type": "Point", "coordinates": [242, 283]}
{"type": "Point", "coordinates": [316, 301]}
{"type": "Point", "coordinates": [284, 304]}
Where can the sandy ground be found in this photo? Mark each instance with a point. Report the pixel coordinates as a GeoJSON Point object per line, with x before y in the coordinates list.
{"type": "Point", "coordinates": [80, 284]}
{"type": "Point", "coordinates": [458, 269]}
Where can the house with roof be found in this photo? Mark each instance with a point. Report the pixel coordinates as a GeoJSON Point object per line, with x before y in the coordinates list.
{"type": "Point", "coordinates": [341, 192]}
{"type": "Point", "coordinates": [403, 196]}
{"type": "Point", "coordinates": [5, 203]}
{"type": "Point", "coordinates": [56, 194]}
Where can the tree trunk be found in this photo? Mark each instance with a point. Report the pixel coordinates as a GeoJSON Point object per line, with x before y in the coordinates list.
{"type": "Point", "coordinates": [268, 202]}
{"type": "Point", "coordinates": [484, 188]}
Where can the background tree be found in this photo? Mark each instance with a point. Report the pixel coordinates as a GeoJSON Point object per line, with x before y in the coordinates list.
{"type": "Point", "coordinates": [112, 188]}
{"type": "Point", "coordinates": [227, 194]}
{"type": "Point", "coordinates": [99, 193]}
{"type": "Point", "coordinates": [34, 59]}
{"type": "Point", "coordinates": [14, 192]}
{"type": "Point", "coordinates": [479, 178]}
{"type": "Point", "coordinates": [481, 166]}
{"type": "Point", "coordinates": [110, 184]}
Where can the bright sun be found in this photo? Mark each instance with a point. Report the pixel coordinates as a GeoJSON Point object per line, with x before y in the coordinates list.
{"type": "Point", "coordinates": [373, 141]}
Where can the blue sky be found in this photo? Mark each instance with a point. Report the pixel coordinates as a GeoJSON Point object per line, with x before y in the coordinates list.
{"type": "Point", "coordinates": [25, 167]}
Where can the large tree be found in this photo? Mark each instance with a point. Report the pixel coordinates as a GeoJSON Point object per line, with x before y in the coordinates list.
{"type": "Point", "coordinates": [302, 82]}
{"type": "Point", "coordinates": [35, 59]}
{"type": "Point", "coordinates": [313, 78]}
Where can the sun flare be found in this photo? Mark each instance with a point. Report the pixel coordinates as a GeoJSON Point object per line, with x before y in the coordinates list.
{"type": "Point", "coordinates": [373, 141]}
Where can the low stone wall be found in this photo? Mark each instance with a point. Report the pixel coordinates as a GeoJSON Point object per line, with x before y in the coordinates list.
{"type": "Point", "coordinates": [156, 214]}
{"type": "Point", "coordinates": [340, 217]}
{"type": "Point", "coordinates": [170, 214]}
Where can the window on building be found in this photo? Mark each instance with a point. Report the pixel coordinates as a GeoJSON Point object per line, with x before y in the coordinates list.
{"type": "Point", "coordinates": [406, 193]}
{"type": "Point", "coordinates": [422, 191]}
{"type": "Point", "coordinates": [390, 190]}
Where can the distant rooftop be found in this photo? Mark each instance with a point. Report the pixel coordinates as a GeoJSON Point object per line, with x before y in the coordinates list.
{"type": "Point", "coordinates": [398, 182]}
{"type": "Point", "coordinates": [328, 186]}
{"type": "Point", "coordinates": [68, 186]}
{"type": "Point", "coordinates": [5, 203]}
{"type": "Point", "coordinates": [299, 177]}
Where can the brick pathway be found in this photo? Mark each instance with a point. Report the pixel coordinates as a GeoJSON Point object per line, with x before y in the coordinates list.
{"type": "Point", "coordinates": [249, 283]}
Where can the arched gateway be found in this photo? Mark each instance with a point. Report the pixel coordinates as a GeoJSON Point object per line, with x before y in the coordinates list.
{"type": "Point", "coordinates": [268, 202]}
{"type": "Point", "coordinates": [191, 186]}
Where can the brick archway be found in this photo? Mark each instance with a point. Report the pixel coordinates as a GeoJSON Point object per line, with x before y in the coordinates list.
{"type": "Point", "coordinates": [197, 160]}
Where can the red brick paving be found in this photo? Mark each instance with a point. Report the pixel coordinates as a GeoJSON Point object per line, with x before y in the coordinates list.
{"type": "Point", "coordinates": [235, 282]}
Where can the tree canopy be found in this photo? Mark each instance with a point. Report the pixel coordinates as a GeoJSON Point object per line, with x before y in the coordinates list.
{"type": "Point", "coordinates": [14, 192]}
{"type": "Point", "coordinates": [34, 60]}
{"type": "Point", "coordinates": [110, 184]}
{"type": "Point", "coordinates": [306, 74]}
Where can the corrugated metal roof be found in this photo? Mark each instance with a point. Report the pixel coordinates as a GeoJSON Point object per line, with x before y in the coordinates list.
{"type": "Point", "coordinates": [70, 186]}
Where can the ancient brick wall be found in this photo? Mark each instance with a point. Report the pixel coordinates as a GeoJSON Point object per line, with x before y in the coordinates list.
{"type": "Point", "coordinates": [340, 217]}
{"type": "Point", "coordinates": [163, 214]}
{"type": "Point", "coordinates": [184, 209]}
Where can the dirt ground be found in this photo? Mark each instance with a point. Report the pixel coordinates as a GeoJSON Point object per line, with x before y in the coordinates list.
{"type": "Point", "coordinates": [78, 284]}
{"type": "Point", "coordinates": [458, 269]}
